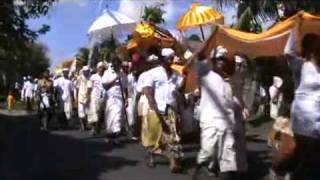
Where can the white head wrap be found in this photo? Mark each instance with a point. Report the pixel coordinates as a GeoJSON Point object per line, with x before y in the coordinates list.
{"type": "Point", "coordinates": [221, 51]}
{"type": "Point", "coordinates": [65, 69]}
{"type": "Point", "coordinates": [85, 68]}
{"type": "Point", "coordinates": [101, 64]}
{"type": "Point", "coordinates": [238, 59]}
{"type": "Point", "coordinates": [152, 58]}
{"type": "Point", "coordinates": [277, 81]}
{"type": "Point", "coordinates": [167, 52]}
{"type": "Point", "coordinates": [188, 54]}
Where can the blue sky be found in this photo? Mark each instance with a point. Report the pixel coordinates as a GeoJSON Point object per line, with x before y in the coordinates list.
{"type": "Point", "coordinates": [71, 19]}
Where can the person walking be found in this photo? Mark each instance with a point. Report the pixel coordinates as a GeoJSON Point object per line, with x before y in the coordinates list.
{"type": "Point", "coordinates": [83, 106]}
{"type": "Point", "coordinates": [305, 109]}
{"type": "Point", "coordinates": [114, 105]}
{"type": "Point", "coordinates": [28, 93]}
{"type": "Point", "coordinates": [45, 92]}
{"type": "Point", "coordinates": [160, 135]}
{"type": "Point", "coordinates": [217, 117]}
{"type": "Point", "coordinates": [96, 95]}
{"type": "Point", "coordinates": [64, 92]}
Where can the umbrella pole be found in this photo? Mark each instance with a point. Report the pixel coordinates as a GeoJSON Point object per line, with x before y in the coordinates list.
{"type": "Point", "coordinates": [202, 34]}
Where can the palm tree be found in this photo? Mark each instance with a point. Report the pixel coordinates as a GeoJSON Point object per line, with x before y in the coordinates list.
{"type": "Point", "coordinates": [267, 9]}
{"type": "Point", "coordinates": [248, 23]}
{"type": "Point", "coordinates": [154, 14]}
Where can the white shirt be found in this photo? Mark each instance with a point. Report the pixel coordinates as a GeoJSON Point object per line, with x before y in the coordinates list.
{"type": "Point", "coordinates": [108, 77]}
{"type": "Point", "coordinates": [141, 82]}
{"type": "Point", "coordinates": [163, 86]}
{"type": "Point", "coordinates": [28, 87]}
{"type": "Point", "coordinates": [95, 83]}
{"type": "Point", "coordinates": [82, 84]}
{"type": "Point", "coordinates": [65, 88]}
{"type": "Point", "coordinates": [216, 103]}
{"type": "Point", "coordinates": [131, 85]}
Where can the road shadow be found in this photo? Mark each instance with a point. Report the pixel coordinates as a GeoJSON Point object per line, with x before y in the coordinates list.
{"type": "Point", "coordinates": [28, 153]}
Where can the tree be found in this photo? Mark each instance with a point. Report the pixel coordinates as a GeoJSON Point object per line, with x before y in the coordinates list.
{"type": "Point", "coordinates": [14, 31]}
{"type": "Point", "coordinates": [17, 39]}
{"type": "Point", "coordinates": [32, 60]}
{"type": "Point", "coordinates": [154, 14]}
{"type": "Point", "coordinates": [108, 49]}
{"type": "Point", "coordinates": [248, 23]}
{"type": "Point", "coordinates": [83, 55]}
{"type": "Point", "coordinates": [266, 9]}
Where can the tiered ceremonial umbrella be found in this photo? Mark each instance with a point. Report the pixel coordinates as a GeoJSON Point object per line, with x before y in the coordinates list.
{"type": "Point", "coordinates": [146, 35]}
{"type": "Point", "coordinates": [111, 23]}
{"type": "Point", "coordinates": [198, 16]}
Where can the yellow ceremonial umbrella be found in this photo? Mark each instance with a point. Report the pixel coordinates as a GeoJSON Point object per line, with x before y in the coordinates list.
{"type": "Point", "coordinates": [198, 15]}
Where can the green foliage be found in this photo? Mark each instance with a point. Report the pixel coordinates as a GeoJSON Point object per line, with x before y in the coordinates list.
{"type": "Point", "coordinates": [248, 23]}
{"type": "Point", "coordinates": [267, 9]}
{"type": "Point", "coordinates": [18, 52]}
{"type": "Point", "coordinates": [108, 49]}
{"type": "Point", "coordinates": [154, 14]}
{"type": "Point", "coordinates": [83, 55]}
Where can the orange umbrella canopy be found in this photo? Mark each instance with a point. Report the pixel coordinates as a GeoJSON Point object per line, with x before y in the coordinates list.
{"type": "Point", "coordinates": [198, 15]}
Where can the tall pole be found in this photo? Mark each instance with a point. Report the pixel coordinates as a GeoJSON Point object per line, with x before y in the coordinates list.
{"type": "Point", "coordinates": [202, 34]}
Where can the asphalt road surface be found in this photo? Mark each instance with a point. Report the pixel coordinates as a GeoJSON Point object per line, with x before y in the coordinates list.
{"type": "Point", "coordinates": [26, 153]}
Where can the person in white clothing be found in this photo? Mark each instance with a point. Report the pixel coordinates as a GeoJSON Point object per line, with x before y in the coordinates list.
{"type": "Point", "coordinates": [28, 87]}
{"type": "Point", "coordinates": [64, 92]}
{"type": "Point", "coordinates": [23, 90]}
{"type": "Point", "coordinates": [304, 160]}
{"type": "Point", "coordinates": [217, 117]}
{"type": "Point", "coordinates": [161, 87]}
{"type": "Point", "coordinates": [114, 82]}
{"type": "Point", "coordinates": [275, 96]}
{"type": "Point", "coordinates": [83, 106]}
{"type": "Point", "coordinates": [35, 98]}
{"type": "Point", "coordinates": [96, 95]}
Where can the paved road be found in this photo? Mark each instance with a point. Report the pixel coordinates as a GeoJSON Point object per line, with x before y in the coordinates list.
{"type": "Point", "coordinates": [29, 153]}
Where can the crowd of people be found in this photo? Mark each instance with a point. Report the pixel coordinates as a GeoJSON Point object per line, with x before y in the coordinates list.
{"type": "Point", "coordinates": [146, 99]}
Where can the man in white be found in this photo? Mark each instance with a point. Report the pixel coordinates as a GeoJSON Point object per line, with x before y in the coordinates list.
{"type": "Point", "coordinates": [96, 94]}
{"type": "Point", "coordinates": [160, 87]}
{"type": "Point", "coordinates": [35, 93]}
{"type": "Point", "coordinates": [275, 96]}
{"type": "Point", "coordinates": [64, 90]}
{"type": "Point", "coordinates": [28, 92]}
{"type": "Point", "coordinates": [82, 83]}
{"type": "Point", "coordinates": [115, 83]}
{"type": "Point", "coordinates": [216, 117]}
{"type": "Point", "coordinates": [23, 90]}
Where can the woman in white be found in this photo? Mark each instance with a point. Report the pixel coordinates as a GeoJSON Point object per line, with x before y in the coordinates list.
{"type": "Point", "coordinates": [96, 95]}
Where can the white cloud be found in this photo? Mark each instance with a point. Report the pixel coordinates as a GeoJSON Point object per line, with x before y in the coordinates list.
{"type": "Point", "coordinates": [81, 3]}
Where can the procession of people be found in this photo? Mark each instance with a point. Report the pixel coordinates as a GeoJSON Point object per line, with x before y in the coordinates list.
{"type": "Point", "coordinates": [144, 98]}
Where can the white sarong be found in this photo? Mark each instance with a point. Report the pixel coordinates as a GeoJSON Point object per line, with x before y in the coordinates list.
{"type": "Point", "coordinates": [82, 110]}
{"type": "Point", "coordinates": [96, 108]}
{"type": "Point", "coordinates": [218, 145]}
{"type": "Point", "coordinates": [67, 108]}
{"type": "Point", "coordinates": [113, 114]}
